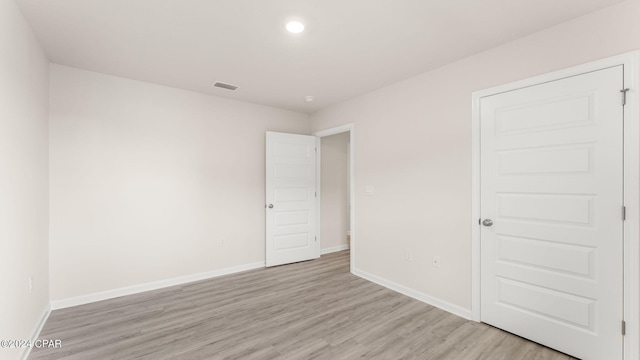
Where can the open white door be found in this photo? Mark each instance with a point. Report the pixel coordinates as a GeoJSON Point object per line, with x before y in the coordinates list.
{"type": "Point", "coordinates": [290, 199]}
{"type": "Point", "coordinates": [552, 208]}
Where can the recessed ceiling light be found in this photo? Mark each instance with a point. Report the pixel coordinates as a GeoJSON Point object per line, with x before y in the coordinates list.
{"type": "Point", "coordinates": [309, 98]}
{"type": "Point", "coordinates": [295, 27]}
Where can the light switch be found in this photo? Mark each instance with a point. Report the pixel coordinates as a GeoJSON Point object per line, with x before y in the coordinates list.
{"type": "Point", "coordinates": [368, 189]}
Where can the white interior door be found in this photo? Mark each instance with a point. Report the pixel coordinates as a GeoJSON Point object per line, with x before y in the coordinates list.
{"type": "Point", "coordinates": [290, 199]}
{"type": "Point", "coordinates": [552, 184]}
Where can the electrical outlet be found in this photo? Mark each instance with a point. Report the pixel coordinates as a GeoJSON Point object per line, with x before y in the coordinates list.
{"type": "Point", "coordinates": [408, 255]}
{"type": "Point", "coordinates": [223, 242]}
{"type": "Point", "coordinates": [436, 261]}
{"type": "Point", "coordinates": [30, 284]}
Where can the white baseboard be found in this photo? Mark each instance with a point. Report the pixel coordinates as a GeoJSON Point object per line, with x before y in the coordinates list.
{"type": "Point", "coordinates": [135, 289]}
{"type": "Point", "coordinates": [444, 305]}
{"type": "Point", "coordinates": [333, 249]}
{"type": "Point", "coordinates": [36, 332]}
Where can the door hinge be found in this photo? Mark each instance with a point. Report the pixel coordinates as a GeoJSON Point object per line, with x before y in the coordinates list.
{"type": "Point", "coordinates": [624, 96]}
{"type": "Point", "coordinates": [624, 213]}
{"type": "Point", "coordinates": [624, 327]}
{"type": "Point", "coordinates": [316, 238]}
{"type": "Point", "coordinates": [315, 194]}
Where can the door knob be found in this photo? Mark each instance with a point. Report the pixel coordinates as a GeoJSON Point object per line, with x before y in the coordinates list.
{"type": "Point", "coordinates": [487, 222]}
{"type": "Point", "coordinates": [270, 206]}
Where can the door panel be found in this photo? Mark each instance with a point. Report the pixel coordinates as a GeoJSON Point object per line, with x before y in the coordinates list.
{"type": "Point", "coordinates": [551, 181]}
{"type": "Point", "coordinates": [290, 191]}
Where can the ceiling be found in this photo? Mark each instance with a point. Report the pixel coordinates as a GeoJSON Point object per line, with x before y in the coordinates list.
{"type": "Point", "coordinates": [349, 47]}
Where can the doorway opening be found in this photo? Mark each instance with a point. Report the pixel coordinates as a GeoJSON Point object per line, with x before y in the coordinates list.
{"type": "Point", "coordinates": [335, 184]}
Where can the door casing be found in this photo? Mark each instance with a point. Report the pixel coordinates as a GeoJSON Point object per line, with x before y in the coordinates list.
{"type": "Point", "coordinates": [631, 63]}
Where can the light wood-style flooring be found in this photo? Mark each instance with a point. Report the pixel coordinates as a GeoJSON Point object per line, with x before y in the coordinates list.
{"type": "Point", "coordinates": [308, 310]}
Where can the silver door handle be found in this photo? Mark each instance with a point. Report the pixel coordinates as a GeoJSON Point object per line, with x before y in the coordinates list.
{"type": "Point", "coordinates": [270, 206]}
{"type": "Point", "coordinates": [487, 222]}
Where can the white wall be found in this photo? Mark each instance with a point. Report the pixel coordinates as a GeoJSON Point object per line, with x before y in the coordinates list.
{"type": "Point", "coordinates": [335, 194]}
{"type": "Point", "coordinates": [150, 183]}
{"type": "Point", "coordinates": [413, 143]}
{"type": "Point", "coordinates": [23, 179]}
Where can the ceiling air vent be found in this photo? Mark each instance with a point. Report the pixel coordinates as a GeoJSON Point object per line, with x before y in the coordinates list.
{"type": "Point", "coordinates": [225, 86]}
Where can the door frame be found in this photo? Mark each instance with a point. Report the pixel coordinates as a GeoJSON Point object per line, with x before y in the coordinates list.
{"type": "Point", "coordinates": [631, 272]}
{"type": "Point", "coordinates": [350, 128]}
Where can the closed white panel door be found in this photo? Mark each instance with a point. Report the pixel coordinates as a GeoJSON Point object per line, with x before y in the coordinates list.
{"type": "Point", "coordinates": [551, 183]}
{"type": "Point", "coordinates": [291, 199]}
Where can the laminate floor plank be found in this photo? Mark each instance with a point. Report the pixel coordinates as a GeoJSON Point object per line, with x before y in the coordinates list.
{"type": "Point", "coordinates": [314, 310]}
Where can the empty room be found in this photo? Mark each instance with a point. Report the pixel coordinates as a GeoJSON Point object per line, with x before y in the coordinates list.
{"type": "Point", "coordinates": [297, 179]}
